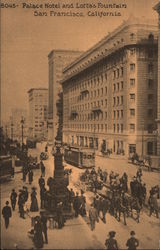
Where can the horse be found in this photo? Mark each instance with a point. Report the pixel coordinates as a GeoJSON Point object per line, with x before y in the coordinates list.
{"type": "Point", "coordinates": [135, 205]}
{"type": "Point", "coordinates": [119, 208]}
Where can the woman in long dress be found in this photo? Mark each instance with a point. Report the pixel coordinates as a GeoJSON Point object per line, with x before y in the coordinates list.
{"type": "Point", "coordinates": [34, 202]}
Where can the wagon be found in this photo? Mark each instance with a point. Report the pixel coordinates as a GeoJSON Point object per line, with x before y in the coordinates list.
{"type": "Point", "coordinates": [153, 163]}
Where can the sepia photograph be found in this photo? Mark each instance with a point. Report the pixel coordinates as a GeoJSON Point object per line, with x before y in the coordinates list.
{"type": "Point", "coordinates": [80, 124]}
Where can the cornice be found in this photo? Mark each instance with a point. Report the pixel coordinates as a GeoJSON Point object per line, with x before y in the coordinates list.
{"type": "Point", "coordinates": [157, 7]}
{"type": "Point", "coordinates": [132, 21]}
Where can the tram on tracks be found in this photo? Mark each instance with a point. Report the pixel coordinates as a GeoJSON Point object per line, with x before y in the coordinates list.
{"type": "Point", "coordinates": [6, 169]}
{"type": "Point", "coordinates": [79, 157]}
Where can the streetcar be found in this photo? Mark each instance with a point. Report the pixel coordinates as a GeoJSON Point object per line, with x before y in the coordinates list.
{"type": "Point", "coordinates": [6, 169]}
{"type": "Point", "coordinates": [79, 157]}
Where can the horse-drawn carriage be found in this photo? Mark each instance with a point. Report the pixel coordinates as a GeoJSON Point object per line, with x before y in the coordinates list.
{"type": "Point", "coordinates": [134, 158]}
{"type": "Point", "coordinates": [151, 162]}
{"type": "Point", "coordinates": [119, 204]}
{"type": "Point", "coordinates": [92, 181]}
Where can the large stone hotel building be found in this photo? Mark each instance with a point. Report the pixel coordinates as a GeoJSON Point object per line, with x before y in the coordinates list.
{"type": "Point", "coordinates": [110, 92]}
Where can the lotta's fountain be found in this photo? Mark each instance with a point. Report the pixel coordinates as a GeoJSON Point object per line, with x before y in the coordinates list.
{"type": "Point", "coordinates": [58, 191]}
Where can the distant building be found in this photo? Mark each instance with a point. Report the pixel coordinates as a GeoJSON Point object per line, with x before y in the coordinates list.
{"type": "Point", "coordinates": [157, 8]}
{"type": "Point", "coordinates": [110, 92]}
{"type": "Point", "coordinates": [15, 125]}
{"type": "Point", "coordinates": [38, 112]}
{"type": "Point", "coordinates": [57, 60]}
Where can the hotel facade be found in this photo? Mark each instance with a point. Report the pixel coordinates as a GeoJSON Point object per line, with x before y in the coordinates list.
{"type": "Point", "coordinates": [110, 92]}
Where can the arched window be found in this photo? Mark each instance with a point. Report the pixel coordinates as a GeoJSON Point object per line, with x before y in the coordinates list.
{"type": "Point", "coordinates": [151, 37]}
{"type": "Point", "coordinates": [132, 35]}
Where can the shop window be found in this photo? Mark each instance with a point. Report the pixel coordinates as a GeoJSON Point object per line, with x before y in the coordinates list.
{"type": "Point", "coordinates": [132, 148]}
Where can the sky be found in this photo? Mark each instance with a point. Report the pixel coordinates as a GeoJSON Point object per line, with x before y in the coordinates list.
{"type": "Point", "coordinates": [26, 41]}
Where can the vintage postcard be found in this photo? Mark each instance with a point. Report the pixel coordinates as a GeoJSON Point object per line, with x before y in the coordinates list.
{"type": "Point", "coordinates": [80, 124]}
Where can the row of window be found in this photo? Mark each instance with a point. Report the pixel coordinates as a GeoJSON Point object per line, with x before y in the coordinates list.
{"type": "Point", "coordinates": [118, 100]}
{"type": "Point", "coordinates": [88, 127]}
{"type": "Point", "coordinates": [91, 95]}
{"type": "Point", "coordinates": [90, 116]}
{"type": "Point", "coordinates": [82, 107]}
{"type": "Point", "coordinates": [118, 128]}
{"type": "Point", "coordinates": [91, 83]}
{"type": "Point", "coordinates": [118, 73]}
{"type": "Point", "coordinates": [118, 86]}
{"type": "Point", "coordinates": [119, 114]}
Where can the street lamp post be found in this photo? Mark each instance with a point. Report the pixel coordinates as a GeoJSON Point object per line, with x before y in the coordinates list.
{"type": "Point", "coordinates": [142, 140]}
{"type": "Point", "coordinates": [12, 130]}
{"type": "Point", "coordinates": [6, 131]}
{"type": "Point", "coordinates": [22, 123]}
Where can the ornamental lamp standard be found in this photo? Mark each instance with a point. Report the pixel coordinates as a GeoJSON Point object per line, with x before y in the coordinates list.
{"type": "Point", "coordinates": [12, 125]}
{"type": "Point", "coordinates": [142, 140]}
{"type": "Point", "coordinates": [22, 126]}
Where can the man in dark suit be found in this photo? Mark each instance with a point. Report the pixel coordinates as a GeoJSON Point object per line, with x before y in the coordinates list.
{"type": "Point", "coordinates": [13, 199]}
{"type": "Point", "coordinates": [7, 213]}
{"type": "Point", "coordinates": [44, 226]}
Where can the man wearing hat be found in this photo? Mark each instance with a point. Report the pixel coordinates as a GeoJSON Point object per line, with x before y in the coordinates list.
{"type": "Point", "coordinates": [44, 226]}
{"type": "Point", "coordinates": [7, 213]}
{"type": "Point", "coordinates": [21, 202]}
{"type": "Point", "coordinates": [93, 216]}
{"type": "Point", "coordinates": [76, 204]}
{"type": "Point", "coordinates": [111, 243]}
{"type": "Point", "coordinates": [132, 242]}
